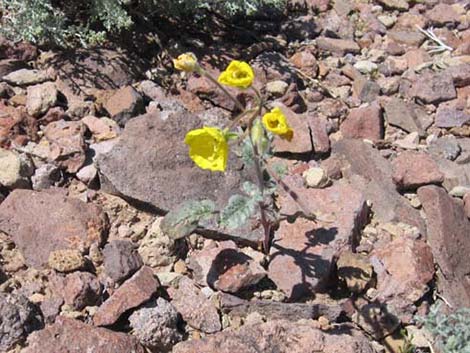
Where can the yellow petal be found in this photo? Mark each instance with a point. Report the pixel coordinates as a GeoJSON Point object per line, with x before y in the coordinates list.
{"type": "Point", "coordinates": [208, 148]}
{"type": "Point", "coordinates": [238, 74]}
{"type": "Point", "coordinates": [276, 122]}
{"type": "Point", "coordinates": [186, 62]}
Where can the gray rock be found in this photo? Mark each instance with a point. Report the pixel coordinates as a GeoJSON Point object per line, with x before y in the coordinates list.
{"type": "Point", "coordinates": [121, 259]}
{"type": "Point", "coordinates": [155, 325]}
{"type": "Point", "coordinates": [451, 117]}
{"type": "Point", "coordinates": [18, 318]}
{"type": "Point", "coordinates": [446, 147]}
{"type": "Point", "coordinates": [434, 88]}
{"type": "Point", "coordinates": [25, 77]}
{"type": "Point", "coordinates": [46, 176]}
{"type": "Point", "coordinates": [407, 116]}
{"type": "Point", "coordinates": [14, 171]}
{"type": "Point", "coordinates": [81, 289]}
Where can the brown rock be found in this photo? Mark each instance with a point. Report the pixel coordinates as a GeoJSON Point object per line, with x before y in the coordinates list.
{"type": "Point", "coordinates": [408, 37]}
{"type": "Point", "coordinates": [416, 57]}
{"type": "Point", "coordinates": [337, 46]}
{"type": "Point", "coordinates": [81, 289]}
{"type": "Point", "coordinates": [306, 62]}
{"type": "Point", "coordinates": [66, 144]}
{"type": "Point", "coordinates": [41, 222]}
{"type": "Point", "coordinates": [225, 268]}
{"type": "Point", "coordinates": [434, 88]}
{"type": "Point", "coordinates": [101, 128]}
{"type": "Point", "coordinates": [67, 333]}
{"type": "Point", "coordinates": [448, 116]}
{"type": "Point", "coordinates": [395, 4]}
{"type": "Point", "coordinates": [66, 260]}
{"type": "Point", "coordinates": [370, 173]}
{"type": "Point", "coordinates": [319, 131]}
{"type": "Point", "coordinates": [41, 97]}
{"type": "Point", "coordinates": [413, 169]}
{"type": "Point", "coordinates": [404, 268]}
{"type": "Point", "coordinates": [355, 270]}
{"type": "Point", "coordinates": [364, 123]}
{"type": "Point", "coordinates": [132, 293]}
{"type": "Point", "coordinates": [124, 104]}
{"type": "Point", "coordinates": [365, 90]}
{"type": "Point", "coordinates": [198, 311]}
{"type": "Point", "coordinates": [442, 14]}
{"type": "Point", "coordinates": [278, 336]}
{"type": "Point", "coordinates": [121, 259]}
{"type": "Point", "coordinates": [302, 252]}
{"type": "Point", "coordinates": [448, 229]}
{"type": "Point", "coordinates": [460, 74]}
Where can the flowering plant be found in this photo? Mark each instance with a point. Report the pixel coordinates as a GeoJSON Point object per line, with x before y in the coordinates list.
{"type": "Point", "coordinates": [209, 149]}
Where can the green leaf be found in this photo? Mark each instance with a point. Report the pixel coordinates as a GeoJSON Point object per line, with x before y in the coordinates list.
{"type": "Point", "coordinates": [238, 210]}
{"type": "Point", "coordinates": [247, 152]}
{"type": "Point", "coordinates": [182, 221]}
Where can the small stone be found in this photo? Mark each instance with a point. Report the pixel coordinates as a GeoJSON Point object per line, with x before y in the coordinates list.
{"type": "Point", "coordinates": [355, 270]}
{"type": "Point", "coordinates": [121, 259]}
{"type": "Point", "coordinates": [306, 62]}
{"type": "Point", "coordinates": [198, 311]}
{"type": "Point", "coordinates": [337, 46]}
{"type": "Point", "coordinates": [365, 90]}
{"type": "Point", "coordinates": [101, 128]}
{"type": "Point", "coordinates": [50, 308]}
{"type": "Point", "coordinates": [25, 77]}
{"type": "Point", "coordinates": [459, 191]}
{"type": "Point", "coordinates": [81, 289]}
{"type": "Point", "coordinates": [124, 104]}
{"type": "Point", "coordinates": [87, 174]}
{"type": "Point", "coordinates": [414, 169]}
{"type": "Point", "coordinates": [316, 178]}
{"type": "Point", "coordinates": [387, 20]}
{"type": "Point", "coordinates": [156, 325]}
{"type": "Point", "coordinates": [434, 88]}
{"type": "Point", "coordinates": [407, 116]}
{"type": "Point", "coordinates": [364, 123]}
{"type": "Point", "coordinates": [41, 97]}
{"type": "Point", "coordinates": [277, 88]}
{"type": "Point", "coordinates": [14, 171]}
{"type": "Point", "coordinates": [401, 5]}
{"type": "Point", "coordinates": [18, 319]}
{"type": "Point", "coordinates": [447, 116]}
{"type": "Point", "coordinates": [66, 260]}
{"type": "Point", "coordinates": [365, 66]}
{"type": "Point", "coordinates": [446, 146]}
{"type": "Point", "coordinates": [442, 14]}
{"type": "Point", "coordinates": [46, 176]}
{"type": "Point", "coordinates": [409, 142]}
{"type": "Point", "coordinates": [132, 293]}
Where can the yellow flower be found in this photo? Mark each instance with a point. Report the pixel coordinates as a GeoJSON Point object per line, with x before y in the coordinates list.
{"type": "Point", "coordinates": [186, 62]}
{"type": "Point", "coordinates": [237, 74]}
{"type": "Point", "coordinates": [208, 148]}
{"type": "Point", "coordinates": [275, 121]}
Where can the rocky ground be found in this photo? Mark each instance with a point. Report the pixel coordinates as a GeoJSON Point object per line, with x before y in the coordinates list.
{"type": "Point", "coordinates": [92, 156]}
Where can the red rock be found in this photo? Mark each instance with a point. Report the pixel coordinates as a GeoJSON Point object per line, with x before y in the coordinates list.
{"type": "Point", "coordinates": [225, 268]}
{"type": "Point", "coordinates": [404, 267]}
{"type": "Point", "coordinates": [45, 221]}
{"type": "Point", "coordinates": [411, 38]}
{"type": "Point", "coordinates": [413, 169]}
{"type": "Point", "coordinates": [448, 229]}
{"type": "Point", "coordinates": [416, 57]}
{"type": "Point", "coordinates": [466, 203]}
{"type": "Point", "coordinates": [365, 90]}
{"type": "Point", "coordinates": [132, 293]}
{"type": "Point", "coordinates": [278, 336]}
{"type": "Point", "coordinates": [364, 123]}
{"type": "Point", "coordinates": [319, 131]}
{"type": "Point", "coordinates": [407, 116]}
{"type": "Point", "coordinates": [460, 74]}
{"type": "Point", "coordinates": [198, 311]}
{"type": "Point", "coordinates": [81, 289]}
{"type": "Point", "coordinates": [337, 46]}
{"type": "Point", "coordinates": [442, 14]}
{"type": "Point", "coordinates": [121, 259]}
{"type": "Point", "coordinates": [302, 252]}
{"type": "Point", "coordinates": [67, 334]}
{"type": "Point", "coordinates": [306, 62]}
{"type": "Point", "coordinates": [449, 116]}
{"type": "Point", "coordinates": [124, 104]}
{"type": "Point", "coordinates": [332, 166]}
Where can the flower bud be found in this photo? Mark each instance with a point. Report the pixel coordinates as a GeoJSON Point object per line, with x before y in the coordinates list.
{"type": "Point", "coordinates": [186, 62]}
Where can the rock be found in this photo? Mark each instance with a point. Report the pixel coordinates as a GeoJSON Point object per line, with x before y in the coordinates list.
{"type": "Point", "coordinates": [301, 28]}
{"type": "Point", "coordinates": [413, 169]}
{"type": "Point", "coordinates": [411, 38]}
{"type": "Point", "coordinates": [365, 90]}
{"type": "Point", "coordinates": [302, 252]}
{"type": "Point", "coordinates": [132, 293]}
{"type": "Point", "coordinates": [156, 325]}
{"type": "Point", "coordinates": [26, 77]}
{"type": "Point", "coordinates": [319, 132]}
{"type": "Point", "coordinates": [276, 88]}
{"type": "Point", "coordinates": [401, 5]}
{"type": "Point", "coordinates": [355, 270]}
{"type": "Point", "coordinates": [447, 116]}
{"type": "Point", "coordinates": [416, 57]}
{"type": "Point", "coordinates": [121, 260]}
{"type": "Point", "coordinates": [157, 249]}
{"type": "Point", "coordinates": [81, 289]}
{"type": "Point", "coordinates": [315, 177]}
{"type": "Point", "coordinates": [460, 74]}
{"type": "Point", "coordinates": [442, 14]}
{"type": "Point", "coordinates": [66, 333]}
{"type": "Point", "coordinates": [407, 116]}
{"type": "Point", "coordinates": [87, 174]}
{"type": "Point", "coordinates": [225, 268]}
{"type": "Point", "coordinates": [434, 88]}
{"type": "Point", "coordinates": [101, 128]}
{"type": "Point", "coordinates": [236, 307]}
{"type": "Point", "coordinates": [306, 62]}
{"type": "Point", "coordinates": [389, 85]}
{"type": "Point", "coordinates": [370, 173]}
{"type": "Point", "coordinates": [124, 104]}
{"type": "Point", "coordinates": [277, 336]}
{"type": "Point", "coordinates": [65, 144]}
{"type": "Point", "coordinates": [45, 177]}
{"type": "Point", "coordinates": [409, 142]}
{"type": "Point", "coordinates": [198, 311]}
{"type": "Point", "coordinates": [448, 229]}
{"type": "Point", "coordinates": [364, 123]}
{"type": "Point", "coordinates": [445, 147]}
{"type": "Point", "coordinates": [41, 97]}
{"type": "Point", "coordinates": [66, 260]}
{"type": "Point", "coordinates": [301, 142]}
{"type": "Point", "coordinates": [129, 168]}
{"type": "Point", "coordinates": [50, 308]}
{"type": "Point", "coordinates": [271, 66]}
{"type": "Point", "coordinates": [337, 46]}
{"type": "Point", "coordinates": [45, 221]}
{"type": "Point", "coordinates": [366, 66]}
{"type": "Point", "coordinates": [459, 191]}
{"type": "Point", "coordinates": [404, 267]}
{"type": "Point", "coordinates": [78, 109]}
{"type": "Point", "coordinates": [18, 319]}
{"type": "Point", "coordinates": [14, 171]}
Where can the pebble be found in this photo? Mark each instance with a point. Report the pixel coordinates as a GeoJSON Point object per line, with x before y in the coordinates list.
{"type": "Point", "coordinates": [316, 177]}
{"type": "Point", "coordinates": [66, 260]}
